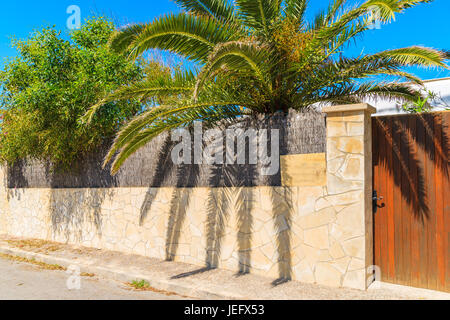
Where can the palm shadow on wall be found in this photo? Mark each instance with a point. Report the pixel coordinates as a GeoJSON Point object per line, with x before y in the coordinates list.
{"type": "Point", "coordinates": [406, 142]}
{"type": "Point", "coordinates": [179, 204]}
{"type": "Point", "coordinates": [72, 214]}
{"type": "Point", "coordinates": [164, 166]}
{"type": "Point", "coordinates": [282, 213]}
{"type": "Point", "coordinates": [232, 193]}
{"type": "Point", "coordinates": [234, 196]}
{"type": "Point", "coordinates": [180, 198]}
{"type": "Point", "coordinates": [74, 211]}
{"type": "Point", "coordinates": [229, 194]}
{"type": "Point", "coordinates": [238, 197]}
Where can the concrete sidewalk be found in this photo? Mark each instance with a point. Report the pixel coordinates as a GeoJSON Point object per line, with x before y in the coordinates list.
{"type": "Point", "coordinates": [25, 281]}
{"type": "Point", "coordinates": [192, 281]}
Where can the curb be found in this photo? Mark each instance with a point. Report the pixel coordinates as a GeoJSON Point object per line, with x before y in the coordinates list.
{"type": "Point", "coordinates": [188, 290]}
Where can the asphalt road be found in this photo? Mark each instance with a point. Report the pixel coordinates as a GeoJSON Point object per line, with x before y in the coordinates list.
{"type": "Point", "coordinates": [22, 281]}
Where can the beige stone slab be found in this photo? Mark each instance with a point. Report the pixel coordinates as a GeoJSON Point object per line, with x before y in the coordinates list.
{"type": "Point", "coordinates": [303, 170]}
{"type": "Point", "coordinates": [336, 129]}
{"type": "Point", "coordinates": [327, 275]}
{"type": "Point", "coordinates": [317, 237]}
{"type": "Point", "coordinates": [317, 219]}
{"type": "Point", "coordinates": [350, 107]}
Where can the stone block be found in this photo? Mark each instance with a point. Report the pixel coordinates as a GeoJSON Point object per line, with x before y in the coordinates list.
{"type": "Point", "coordinates": [317, 219]}
{"type": "Point", "coordinates": [355, 279]}
{"type": "Point", "coordinates": [317, 237]}
{"type": "Point", "coordinates": [352, 218]}
{"type": "Point", "coordinates": [338, 185]}
{"type": "Point", "coordinates": [336, 250]}
{"type": "Point", "coordinates": [333, 165]}
{"type": "Point", "coordinates": [349, 144]}
{"type": "Point", "coordinates": [303, 272]}
{"type": "Point", "coordinates": [345, 199]}
{"type": "Point", "coordinates": [303, 170]}
{"type": "Point", "coordinates": [353, 168]}
{"type": "Point", "coordinates": [355, 128]}
{"type": "Point", "coordinates": [355, 247]}
{"type": "Point", "coordinates": [336, 129]}
{"type": "Point", "coordinates": [326, 274]}
{"type": "Point", "coordinates": [306, 200]}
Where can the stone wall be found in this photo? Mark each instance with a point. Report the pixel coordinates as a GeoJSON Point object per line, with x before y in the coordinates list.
{"type": "Point", "coordinates": [315, 227]}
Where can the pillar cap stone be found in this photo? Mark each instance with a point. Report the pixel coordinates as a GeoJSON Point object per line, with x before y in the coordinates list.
{"type": "Point", "coordinates": [350, 107]}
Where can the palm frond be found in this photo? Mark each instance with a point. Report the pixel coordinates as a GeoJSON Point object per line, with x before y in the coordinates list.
{"type": "Point", "coordinates": [352, 93]}
{"type": "Point", "coordinates": [180, 83]}
{"type": "Point", "coordinates": [415, 55]}
{"type": "Point", "coordinates": [129, 131]}
{"type": "Point", "coordinates": [447, 54]}
{"type": "Point", "coordinates": [345, 71]}
{"type": "Point", "coordinates": [258, 14]}
{"type": "Point", "coordinates": [344, 38]}
{"type": "Point", "coordinates": [121, 39]}
{"type": "Point", "coordinates": [295, 10]}
{"type": "Point", "coordinates": [193, 37]}
{"type": "Point", "coordinates": [385, 10]}
{"type": "Point", "coordinates": [392, 91]}
{"type": "Point", "coordinates": [329, 15]}
{"type": "Point", "coordinates": [405, 4]}
{"type": "Point", "coordinates": [219, 9]}
{"type": "Point", "coordinates": [238, 56]}
{"type": "Point", "coordinates": [402, 75]}
{"type": "Point", "coordinates": [209, 112]}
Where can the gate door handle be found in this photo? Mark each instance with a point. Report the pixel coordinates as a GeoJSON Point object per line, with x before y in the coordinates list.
{"type": "Point", "coordinates": [375, 200]}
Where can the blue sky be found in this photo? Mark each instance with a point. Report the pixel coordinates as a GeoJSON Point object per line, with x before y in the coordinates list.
{"type": "Point", "coordinates": [426, 25]}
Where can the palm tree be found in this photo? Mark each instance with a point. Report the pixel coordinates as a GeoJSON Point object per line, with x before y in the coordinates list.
{"type": "Point", "coordinates": [260, 57]}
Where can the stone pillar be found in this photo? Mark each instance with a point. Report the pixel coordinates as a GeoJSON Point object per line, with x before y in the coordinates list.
{"type": "Point", "coordinates": [349, 187]}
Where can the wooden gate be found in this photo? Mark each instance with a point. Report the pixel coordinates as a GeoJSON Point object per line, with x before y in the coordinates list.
{"type": "Point", "coordinates": [412, 220]}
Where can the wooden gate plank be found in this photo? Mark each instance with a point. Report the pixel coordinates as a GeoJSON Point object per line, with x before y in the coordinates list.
{"type": "Point", "coordinates": [421, 141]}
{"type": "Point", "coordinates": [446, 192]}
{"type": "Point", "coordinates": [381, 212]}
{"type": "Point", "coordinates": [411, 172]}
{"type": "Point", "coordinates": [397, 208]}
{"type": "Point", "coordinates": [414, 213]}
{"type": "Point", "coordinates": [385, 191]}
{"type": "Point", "coordinates": [431, 222]}
{"type": "Point", "coordinates": [389, 193]}
{"type": "Point", "coordinates": [406, 182]}
{"type": "Point", "coordinates": [439, 176]}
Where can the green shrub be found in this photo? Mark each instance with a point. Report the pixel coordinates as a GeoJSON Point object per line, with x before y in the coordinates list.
{"type": "Point", "coordinates": [51, 84]}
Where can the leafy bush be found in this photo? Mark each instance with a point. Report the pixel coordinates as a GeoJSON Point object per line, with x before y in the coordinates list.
{"type": "Point", "coordinates": [426, 103]}
{"type": "Point", "coordinates": [51, 84]}
{"type": "Point", "coordinates": [422, 104]}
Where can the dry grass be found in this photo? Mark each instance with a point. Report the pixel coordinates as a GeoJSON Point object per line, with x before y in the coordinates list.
{"type": "Point", "coordinates": [39, 264]}
{"type": "Point", "coordinates": [142, 285]}
{"type": "Point", "coordinates": [85, 274]}
{"type": "Point", "coordinates": [35, 245]}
